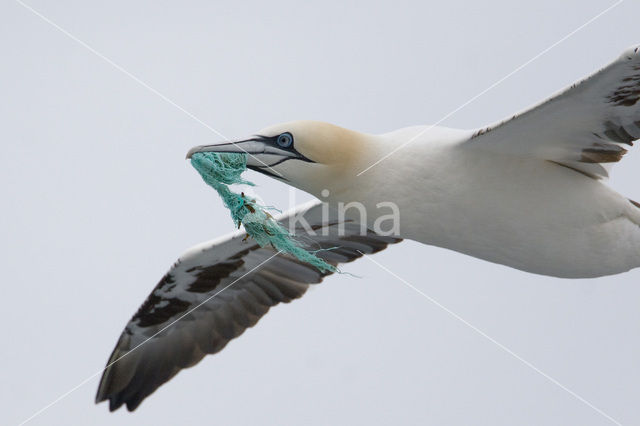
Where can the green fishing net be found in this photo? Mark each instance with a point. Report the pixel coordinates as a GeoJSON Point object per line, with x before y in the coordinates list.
{"type": "Point", "coordinates": [219, 170]}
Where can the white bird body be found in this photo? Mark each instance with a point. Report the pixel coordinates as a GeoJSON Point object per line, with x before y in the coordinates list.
{"type": "Point", "coordinates": [527, 192]}
{"type": "Point", "coordinates": [524, 212]}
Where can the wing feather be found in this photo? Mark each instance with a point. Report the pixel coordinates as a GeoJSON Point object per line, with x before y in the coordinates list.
{"type": "Point", "coordinates": [233, 283]}
{"type": "Point", "coordinates": [585, 127]}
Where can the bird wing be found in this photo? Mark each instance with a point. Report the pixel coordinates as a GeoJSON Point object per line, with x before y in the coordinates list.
{"type": "Point", "coordinates": [217, 290]}
{"type": "Point", "coordinates": [584, 127]}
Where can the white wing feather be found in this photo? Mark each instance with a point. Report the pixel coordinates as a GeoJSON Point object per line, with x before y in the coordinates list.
{"type": "Point", "coordinates": [584, 127]}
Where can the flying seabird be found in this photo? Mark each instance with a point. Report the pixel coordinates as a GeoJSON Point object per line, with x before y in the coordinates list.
{"type": "Point", "coordinates": [526, 192]}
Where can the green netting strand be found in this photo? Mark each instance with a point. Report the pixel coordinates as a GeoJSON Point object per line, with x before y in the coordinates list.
{"type": "Point", "coordinates": [219, 170]}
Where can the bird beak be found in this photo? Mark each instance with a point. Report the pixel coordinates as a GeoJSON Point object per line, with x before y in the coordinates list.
{"type": "Point", "coordinates": [249, 146]}
{"type": "Point", "coordinates": [263, 153]}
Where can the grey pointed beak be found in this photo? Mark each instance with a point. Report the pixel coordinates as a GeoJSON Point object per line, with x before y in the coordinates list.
{"type": "Point", "coordinates": [263, 153]}
{"type": "Point", "coordinates": [249, 146]}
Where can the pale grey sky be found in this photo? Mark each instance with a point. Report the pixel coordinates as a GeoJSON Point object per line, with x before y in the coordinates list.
{"type": "Point", "coordinates": [98, 202]}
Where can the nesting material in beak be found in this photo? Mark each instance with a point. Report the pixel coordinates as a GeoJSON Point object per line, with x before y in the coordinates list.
{"type": "Point", "coordinates": [219, 170]}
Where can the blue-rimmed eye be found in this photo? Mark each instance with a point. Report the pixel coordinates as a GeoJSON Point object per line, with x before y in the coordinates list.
{"type": "Point", "coordinates": [285, 140]}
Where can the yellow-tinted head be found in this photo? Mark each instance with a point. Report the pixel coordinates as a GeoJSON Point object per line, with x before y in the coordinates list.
{"type": "Point", "coordinates": [310, 155]}
{"type": "Point", "coordinates": [321, 142]}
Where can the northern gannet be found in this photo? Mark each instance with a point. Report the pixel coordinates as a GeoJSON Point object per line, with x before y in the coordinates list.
{"type": "Point", "coordinates": [526, 192]}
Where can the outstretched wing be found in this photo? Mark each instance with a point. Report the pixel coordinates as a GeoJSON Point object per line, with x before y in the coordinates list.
{"type": "Point", "coordinates": [213, 293]}
{"type": "Point", "coordinates": [585, 127]}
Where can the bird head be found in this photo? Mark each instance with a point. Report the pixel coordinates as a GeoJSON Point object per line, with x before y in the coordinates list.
{"type": "Point", "coordinates": [309, 155]}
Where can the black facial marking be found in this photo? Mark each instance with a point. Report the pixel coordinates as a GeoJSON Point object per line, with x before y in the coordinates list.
{"type": "Point", "coordinates": [265, 171]}
{"type": "Point", "coordinates": [273, 140]}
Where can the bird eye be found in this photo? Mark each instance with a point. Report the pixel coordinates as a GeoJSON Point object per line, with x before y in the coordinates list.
{"type": "Point", "coordinates": [285, 140]}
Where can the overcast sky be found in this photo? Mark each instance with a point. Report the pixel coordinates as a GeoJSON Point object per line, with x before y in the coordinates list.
{"type": "Point", "coordinates": [98, 202]}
